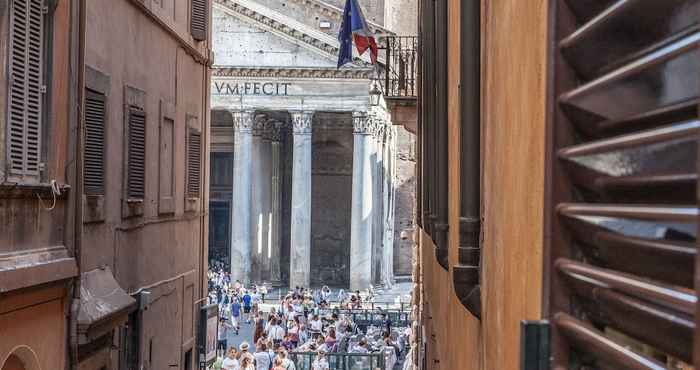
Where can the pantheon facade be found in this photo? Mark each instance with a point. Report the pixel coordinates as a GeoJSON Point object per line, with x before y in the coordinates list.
{"type": "Point", "coordinates": [303, 154]}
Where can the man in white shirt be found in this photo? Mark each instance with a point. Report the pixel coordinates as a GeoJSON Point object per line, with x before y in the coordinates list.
{"type": "Point", "coordinates": [263, 359]}
{"type": "Point", "coordinates": [276, 333]}
{"type": "Point", "coordinates": [315, 326]}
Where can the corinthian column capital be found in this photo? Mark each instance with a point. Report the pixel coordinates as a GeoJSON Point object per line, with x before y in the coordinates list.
{"type": "Point", "coordinates": [362, 124]}
{"type": "Point", "coordinates": [301, 122]}
{"type": "Point", "coordinates": [242, 120]}
{"type": "Point", "coordinates": [259, 124]}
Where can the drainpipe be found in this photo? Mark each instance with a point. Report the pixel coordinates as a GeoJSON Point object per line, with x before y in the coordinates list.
{"type": "Point", "coordinates": [77, 75]}
{"type": "Point", "coordinates": [466, 274]}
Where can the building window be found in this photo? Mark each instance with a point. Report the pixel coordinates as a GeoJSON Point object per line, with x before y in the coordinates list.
{"type": "Point", "coordinates": [199, 19]}
{"type": "Point", "coordinates": [26, 66]}
{"type": "Point", "coordinates": [94, 169]}
{"type": "Point", "coordinates": [194, 163]}
{"type": "Point", "coordinates": [166, 163]}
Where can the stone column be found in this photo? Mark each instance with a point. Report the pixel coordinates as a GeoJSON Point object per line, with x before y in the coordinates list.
{"type": "Point", "coordinates": [389, 193]}
{"type": "Point", "coordinates": [276, 186]}
{"type": "Point", "coordinates": [361, 219]}
{"type": "Point", "coordinates": [266, 197]}
{"type": "Point", "coordinates": [300, 248]}
{"type": "Point", "coordinates": [256, 209]}
{"type": "Point", "coordinates": [241, 202]}
{"type": "Point", "coordinates": [377, 227]}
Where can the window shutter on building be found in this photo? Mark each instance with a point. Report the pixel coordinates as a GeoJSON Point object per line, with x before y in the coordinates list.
{"type": "Point", "coordinates": [136, 154]}
{"type": "Point", "coordinates": [199, 19]}
{"type": "Point", "coordinates": [623, 175]}
{"type": "Point", "coordinates": [194, 163]}
{"type": "Point", "coordinates": [26, 89]}
{"type": "Point", "coordinates": [93, 176]}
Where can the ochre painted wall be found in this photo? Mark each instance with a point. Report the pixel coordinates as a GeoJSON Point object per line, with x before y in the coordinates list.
{"type": "Point", "coordinates": [514, 34]}
{"type": "Point", "coordinates": [33, 326]}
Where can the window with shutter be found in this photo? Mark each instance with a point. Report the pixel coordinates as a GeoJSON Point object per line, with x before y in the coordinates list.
{"type": "Point", "coordinates": [93, 173]}
{"type": "Point", "coordinates": [194, 163]}
{"type": "Point", "coordinates": [26, 90]}
{"type": "Point", "coordinates": [622, 172]}
{"type": "Point", "coordinates": [199, 19]}
{"type": "Point", "coordinates": [136, 162]}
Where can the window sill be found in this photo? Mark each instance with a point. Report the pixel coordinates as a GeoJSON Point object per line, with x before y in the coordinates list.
{"type": "Point", "coordinates": [10, 190]}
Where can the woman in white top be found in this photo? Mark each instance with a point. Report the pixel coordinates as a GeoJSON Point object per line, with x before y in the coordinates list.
{"type": "Point", "coordinates": [230, 362]}
{"type": "Point", "coordinates": [315, 326]}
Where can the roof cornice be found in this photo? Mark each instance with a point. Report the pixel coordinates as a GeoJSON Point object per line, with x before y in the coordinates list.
{"type": "Point", "coordinates": [282, 25]}
{"type": "Point", "coordinates": [337, 14]}
{"type": "Point", "coordinates": [285, 27]}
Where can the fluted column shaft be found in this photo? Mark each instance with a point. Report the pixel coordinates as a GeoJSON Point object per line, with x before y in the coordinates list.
{"type": "Point", "coordinates": [276, 196]}
{"type": "Point", "coordinates": [256, 208]}
{"type": "Point", "coordinates": [300, 249]}
{"type": "Point", "coordinates": [241, 202]}
{"type": "Point", "coordinates": [362, 202]}
{"type": "Point", "coordinates": [266, 197]}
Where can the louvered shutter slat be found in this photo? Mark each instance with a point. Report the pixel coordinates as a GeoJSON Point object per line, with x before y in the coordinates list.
{"type": "Point", "coordinates": [94, 143]}
{"type": "Point", "coordinates": [199, 19]}
{"type": "Point", "coordinates": [625, 208]}
{"type": "Point", "coordinates": [194, 158]}
{"type": "Point", "coordinates": [25, 95]}
{"type": "Point", "coordinates": [137, 154]}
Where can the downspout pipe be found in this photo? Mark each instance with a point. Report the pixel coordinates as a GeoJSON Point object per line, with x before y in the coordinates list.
{"type": "Point", "coordinates": [466, 274]}
{"type": "Point", "coordinates": [77, 69]}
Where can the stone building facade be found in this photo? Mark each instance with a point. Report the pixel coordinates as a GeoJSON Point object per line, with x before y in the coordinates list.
{"type": "Point", "coordinates": [304, 158]}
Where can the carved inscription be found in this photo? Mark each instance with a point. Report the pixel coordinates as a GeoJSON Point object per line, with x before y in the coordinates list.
{"type": "Point", "coordinates": [252, 88]}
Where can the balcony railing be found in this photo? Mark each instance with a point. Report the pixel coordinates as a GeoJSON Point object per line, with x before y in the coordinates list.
{"type": "Point", "coordinates": [341, 361]}
{"type": "Point", "coordinates": [400, 68]}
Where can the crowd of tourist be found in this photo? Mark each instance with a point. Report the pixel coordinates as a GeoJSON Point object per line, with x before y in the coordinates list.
{"type": "Point", "coordinates": [301, 321]}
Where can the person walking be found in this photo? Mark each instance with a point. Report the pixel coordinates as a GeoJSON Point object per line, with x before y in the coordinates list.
{"type": "Point", "coordinates": [276, 332]}
{"type": "Point", "coordinates": [247, 363]}
{"type": "Point", "coordinates": [236, 314]}
{"type": "Point", "coordinates": [263, 359]}
{"type": "Point", "coordinates": [247, 301]}
{"type": "Point", "coordinates": [259, 328]}
{"type": "Point", "coordinates": [287, 364]}
{"type": "Point", "coordinates": [231, 360]}
{"type": "Point", "coordinates": [320, 363]}
{"type": "Point", "coordinates": [222, 336]}
{"type": "Point", "coordinates": [278, 364]}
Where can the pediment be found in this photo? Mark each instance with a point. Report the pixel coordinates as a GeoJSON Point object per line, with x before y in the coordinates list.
{"type": "Point", "coordinates": [247, 34]}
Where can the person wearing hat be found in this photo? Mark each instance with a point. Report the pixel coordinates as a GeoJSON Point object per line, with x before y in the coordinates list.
{"type": "Point", "coordinates": [244, 353]}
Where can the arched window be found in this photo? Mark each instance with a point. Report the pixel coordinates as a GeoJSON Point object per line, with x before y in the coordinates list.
{"type": "Point", "coordinates": [22, 358]}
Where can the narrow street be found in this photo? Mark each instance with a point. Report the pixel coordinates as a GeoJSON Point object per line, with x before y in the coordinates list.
{"type": "Point", "coordinates": [410, 184]}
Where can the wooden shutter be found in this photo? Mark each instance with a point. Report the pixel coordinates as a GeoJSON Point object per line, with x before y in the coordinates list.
{"type": "Point", "coordinates": [93, 174]}
{"type": "Point", "coordinates": [199, 19]}
{"type": "Point", "coordinates": [194, 163]}
{"type": "Point", "coordinates": [622, 208]}
{"type": "Point", "coordinates": [26, 89]}
{"type": "Point", "coordinates": [136, 154]}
